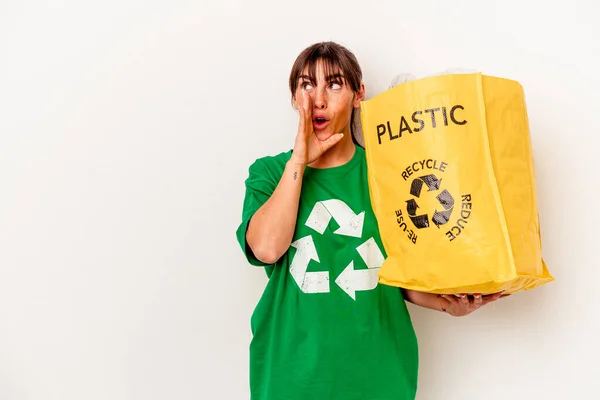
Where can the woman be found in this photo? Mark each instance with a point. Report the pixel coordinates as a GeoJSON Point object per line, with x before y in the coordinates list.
{"type": "Point", "coordinates": [324, 329]}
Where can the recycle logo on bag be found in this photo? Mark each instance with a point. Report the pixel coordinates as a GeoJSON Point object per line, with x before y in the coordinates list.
{"type": "Point", "coordinates": [439, 216]}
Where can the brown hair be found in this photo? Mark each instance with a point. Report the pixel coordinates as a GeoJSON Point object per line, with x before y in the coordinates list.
{"type": "Point", "coordinates": [336, 59]}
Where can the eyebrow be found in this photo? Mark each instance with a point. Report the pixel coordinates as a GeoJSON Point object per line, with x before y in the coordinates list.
{"type": "Point", "coordinates": [335, 77]}
{"type": "Point", "coordinates": [329, 78]}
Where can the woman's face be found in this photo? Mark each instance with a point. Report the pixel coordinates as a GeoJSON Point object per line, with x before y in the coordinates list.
{"type": "Point", "coordinates": [331, 101]}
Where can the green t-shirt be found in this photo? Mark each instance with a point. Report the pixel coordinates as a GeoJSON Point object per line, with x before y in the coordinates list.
{"type": "Point", "coordinates": [324, 329]}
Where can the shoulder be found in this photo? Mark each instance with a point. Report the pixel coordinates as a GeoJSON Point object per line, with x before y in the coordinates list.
{"type": "Point", "coordinates": [271, 163]}
{"type": "Point", "coordinates": [268, 169]}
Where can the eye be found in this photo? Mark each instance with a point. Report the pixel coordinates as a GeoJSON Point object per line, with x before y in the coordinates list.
{"type": "Point", "coordinates": [306, 85]}
{"type": "Point", "coordinates": [335, 85]}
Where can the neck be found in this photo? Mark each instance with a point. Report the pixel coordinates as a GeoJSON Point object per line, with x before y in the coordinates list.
{"type": "Point", "coordinates": [338, 155]}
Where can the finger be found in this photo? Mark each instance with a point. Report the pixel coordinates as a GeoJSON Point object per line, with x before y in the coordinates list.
{"type": "Point", "coordinates": [491, 298]}
{"type": "Point", "coordinates": [477, 300]}
{"type": "Point", "coordinates": [464, 299]}
{"type": "Point", "coordinates": [332, 141]}
{"type": "Point", "coordinates": [302, 119]}
{"type": "Point", "coordinates": [307, 106]}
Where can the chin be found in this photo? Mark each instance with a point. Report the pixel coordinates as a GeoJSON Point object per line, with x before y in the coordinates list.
{"type": "Point", "coordinates": [322, 136]}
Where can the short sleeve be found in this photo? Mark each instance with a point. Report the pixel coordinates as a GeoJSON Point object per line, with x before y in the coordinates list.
{"type": "Point", "coordinates": [260, 185]}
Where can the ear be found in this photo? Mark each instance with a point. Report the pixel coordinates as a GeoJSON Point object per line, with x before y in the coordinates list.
{"type": "Point", "coordinates": [359, 96]}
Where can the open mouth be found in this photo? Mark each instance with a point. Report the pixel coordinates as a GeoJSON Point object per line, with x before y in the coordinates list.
{"type": "Point", "coordinates": [320, 122]}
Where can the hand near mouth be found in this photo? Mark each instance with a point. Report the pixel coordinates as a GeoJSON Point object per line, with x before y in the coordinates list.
{"type": "Point", "coordinates": [308, 147]}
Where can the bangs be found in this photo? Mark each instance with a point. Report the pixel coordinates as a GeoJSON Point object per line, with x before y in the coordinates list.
{"type": "Point", "coordinates": [331, 69]}
{"type": "Point", "coordinates": [336, 61]}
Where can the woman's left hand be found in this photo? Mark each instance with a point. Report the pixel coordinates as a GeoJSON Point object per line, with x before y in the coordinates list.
{"type": "Point", "coordinates": [466, 304]}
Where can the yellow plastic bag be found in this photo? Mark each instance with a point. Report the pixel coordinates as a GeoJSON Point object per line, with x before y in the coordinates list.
{"type": "Point", "coordinates": [452, 184]}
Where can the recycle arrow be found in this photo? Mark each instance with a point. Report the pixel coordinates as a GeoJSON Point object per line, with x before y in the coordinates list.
{"type": "Point", "coordinates": [415, 187]}
{"type": "Point", "coordinates": [351, 224]}
{"type": "Point", "coordinates": [352, 280]}
{"type": "Point", "coordinates": [420, 221]}
{"type": "Point", "coordinates": [411, 207]}
{"type": "Point", "coordinates": [446, 199]}
{"type": "Point", "coordinates": [308, 282]}
{"type": "Point", "coordinates": [441, 217]}
{"type": "Point", "coordinates": [432, 182]}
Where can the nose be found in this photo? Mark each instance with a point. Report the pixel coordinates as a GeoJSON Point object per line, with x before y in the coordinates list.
{"type": "Point", "coordinates": [321, 99]}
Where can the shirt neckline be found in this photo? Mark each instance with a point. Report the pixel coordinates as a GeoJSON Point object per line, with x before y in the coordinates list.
{"type": "Point", "coordinates": [338, 170]}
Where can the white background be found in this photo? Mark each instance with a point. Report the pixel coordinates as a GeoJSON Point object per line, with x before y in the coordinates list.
{"type": "Point", "coordinates": [126, 131]}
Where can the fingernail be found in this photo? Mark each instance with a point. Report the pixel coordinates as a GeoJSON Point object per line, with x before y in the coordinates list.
{"type": "Point", "coordinates": [477, 296]}
{"type": "Point", "coordinates": [463, 295]}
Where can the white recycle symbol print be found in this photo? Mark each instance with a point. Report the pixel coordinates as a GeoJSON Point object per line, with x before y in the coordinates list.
{"type": "Point", "coordinates": [350, 280]}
